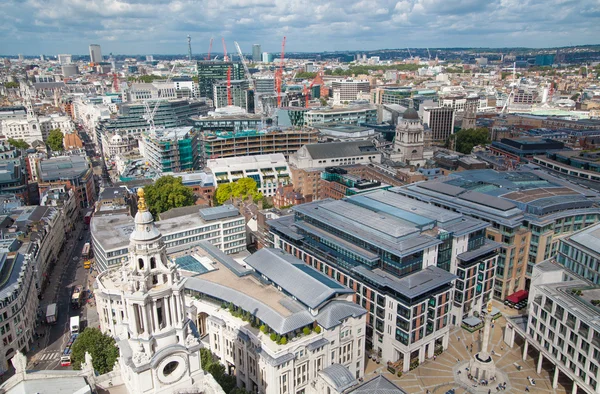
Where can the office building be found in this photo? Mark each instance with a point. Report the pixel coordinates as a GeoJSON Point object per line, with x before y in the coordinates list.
{"type": "Point", "coordinates": [65, 59]}
{"type": "Point", "coordinates": [529, 212]}
{"type": "Point", "coordinates": [255, 142]}
{"type": "Point", "coordinates": [171, 150]}
{"type": "Point", "coordinates": [561, 326]}
{"type": "Point", "coordinates": [95, 54]}
{"type": "Point", "coordinates": [222, 226]}
{"type": "Point", "coordinates": [353, 114]}
{"type": "Point", "coordinates": [210, 72]}
{"type": "Point", "coordinates": [256, 53]}
{"type": "Point", "coordinates": [347, 90]}
{"type": "Point", "coordinates": [13, 172]}
{"type": "Point", "coordinates": [269, 171]}
{"type": "Point", "coordinates": [267, 57]}
{"type": "Point", "coordinates": [583, 165]}
{"type": "Point", "coordinates": [19, 304]}
{"type": "Point", "coordinates": [240, 96]}
{"type": "Point", "coordinates": [334, 154]}
{"type": "Point", "coordinates": [391, 94]}
{"type": "Point", "coordinates": [141, 304]}
{"type": "Point", "coordinates": [73, 172]}
{"type": "Point", "coordinates": [283, 326]}
{"type": "Point", "coordinates": [336, 184]}
{"type": "Point", "coordinates": [544, 60]}
{"type": "Point", "coordinates": [264, 85]}
{"type": "Point", "coordinates": [226, 120]}
{"type": "Point", "coordinates": [440, 121]}
{"type": "Point", "coordinates": [580, 253]}
{"type": "Point", "coordinates": [416, 268]}
{"type": "Point", "coordinates": [521, 149]}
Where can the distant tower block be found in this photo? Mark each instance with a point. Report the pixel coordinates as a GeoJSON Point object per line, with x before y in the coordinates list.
{"type": "Point", "coordinates": [470, 114]}
{"type": "Point", "coordinates": [189, 47]}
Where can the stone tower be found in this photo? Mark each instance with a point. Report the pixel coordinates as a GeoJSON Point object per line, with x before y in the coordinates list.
{"type": "Point", "coordinates": [159, 354]}
{"type": "Point", "coordinates": [470, 114]}
{"type": "Point", "coordinates": [410, 140]}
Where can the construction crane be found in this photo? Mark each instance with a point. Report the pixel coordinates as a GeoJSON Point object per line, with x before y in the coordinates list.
{"type": "Point", "coordinates": [225, 57]}
{"type": "Point", "coordinates": [512, 91]}
{"type": "Point", "coordinates": [229, 101]}
{"type": "Point", "coordinates": [150, 115]}
{"type": "Point", "coordinates": [409, 54]}
{"type": "Point", "coordinates": [429, 53]}
{"type": "Point", "coordinates": [279, 74]}
{"type": "Point", "coordinates": [246, 70]}
{"type": "Point", "coordinates": [209, 49]}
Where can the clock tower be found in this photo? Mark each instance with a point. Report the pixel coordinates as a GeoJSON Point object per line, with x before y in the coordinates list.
{"type": "Point", "coordinates": [159, 354]}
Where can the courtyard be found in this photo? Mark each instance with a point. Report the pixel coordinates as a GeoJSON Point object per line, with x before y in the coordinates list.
{"type": "Point", "coordinates": [438, 375]}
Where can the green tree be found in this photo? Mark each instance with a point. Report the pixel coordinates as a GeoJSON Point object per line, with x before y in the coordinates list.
{"type": "Point", "coordinates": [206, 358]}
{"type": "Point", "coordinates": [55, 140]}
{"type": "Point", "coordinates": [242, 188]}
{"type": "Point", "coordinates": [306, 75]}
{"type": "Point", "coordinates": [19, 144]}
{"type": "Point", "coordinates": [166, 193]}
{"type": "Point", "coordinates": [465, 140]}
{"type": "Point", "coordinates": [101, 347]}
{"type": "Point", "coordinates": [9, 85]}
{"type": "Point", "coordinates": [323, 101]}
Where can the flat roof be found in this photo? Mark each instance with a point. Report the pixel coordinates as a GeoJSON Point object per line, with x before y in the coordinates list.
{"type": "Point", "coordinates": [341, 149]}
{"type": "Point", "coordinates": [63, 167]}
{"type": "Point", "coordinates": [589, 238]}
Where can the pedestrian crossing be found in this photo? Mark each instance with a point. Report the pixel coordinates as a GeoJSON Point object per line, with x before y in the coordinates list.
{"type": "Point", "coordinates": [49, 356]}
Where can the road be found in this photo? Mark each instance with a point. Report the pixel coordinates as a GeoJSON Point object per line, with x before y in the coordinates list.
{"type": "Point", "coordinates": [69, 271]}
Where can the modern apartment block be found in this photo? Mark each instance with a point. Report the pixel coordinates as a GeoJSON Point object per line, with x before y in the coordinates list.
{"type": "Point", "coordinates": [73, 172]}
{"type": "Point", "coordinates": [529, 211]}
{"type": "Point", "coordinates": [352, 114]}
{"type": "Point", "coordinates": [171, 150]}
{"type": "Point", "coordinates": [416, 268]}
{"type": "Point", "coordinates": [240, 96]}
{"type": "Point", "coordinates": [254, 142]}
{"type": "Point", "coordinates": [561, 325]}
{"type": "Point", "coordinates": [212, 71]}
{"type": "Point", "coordinates": [269, 171]}
{"type": "Point", "coordinates": [440, 121]}
{"type": "Point", "coordinates": [277, 322]}
{"type": "Point", "coordinates": [222, 226]}
{"type": "Point", "coordinates": [580, 253]}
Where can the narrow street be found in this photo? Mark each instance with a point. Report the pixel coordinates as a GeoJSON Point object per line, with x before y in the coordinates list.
{"type": "Point", "coordinates": [46, 351]}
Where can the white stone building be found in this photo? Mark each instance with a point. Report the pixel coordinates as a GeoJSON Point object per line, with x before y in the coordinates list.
{"type": "Point", "coordinates": [335, 154]}
{"type": "Point", "coordinates": [269, 171]}
{"type": "Point", "coordinates": [243, 309]}
{"type": "Point", "coordinates": [141, 304]}
{"type": "Point", "coordinates": [412, 143]}
{"type": "Point", "coordinates": [348, 90]}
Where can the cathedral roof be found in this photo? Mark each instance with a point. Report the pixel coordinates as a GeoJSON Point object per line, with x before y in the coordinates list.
{"type": "Point", "coordinates": [410, 114]}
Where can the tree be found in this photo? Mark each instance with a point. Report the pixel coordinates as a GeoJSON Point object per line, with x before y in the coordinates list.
{"type": "Point", "coordinates": [206, 358]}
{"type": "Point", "coordinates": [166, 193]}
{"type": "Point", "coordinates": [465, 140]}
{"type": "Point", "coordinates": [55, 140]}
{"type": "Point", "coordinates": [101, 347]}
{"type": "Point", "coordinates": [242, 188]}
{"type": "Point", "coordinates": [306, 75]}
{"type": "Point", "coordinates": [217, 370]}
{"type": "Point", "coordinates": [19, 144]}
{"type": "Point", "coordinates": [9, 85]}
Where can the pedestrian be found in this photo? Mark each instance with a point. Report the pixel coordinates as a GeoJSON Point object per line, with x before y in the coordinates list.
{"type": "Point", "coordinates": [527, 388]}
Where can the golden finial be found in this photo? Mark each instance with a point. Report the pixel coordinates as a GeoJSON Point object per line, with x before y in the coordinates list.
{"type": "Point", "coordinates": [490, 307]}
{"type": "Point", "coordinates": [141, 200]}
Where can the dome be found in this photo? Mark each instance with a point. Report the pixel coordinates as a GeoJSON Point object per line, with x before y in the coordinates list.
{"type": "Point", "coordinates": [410, 114]}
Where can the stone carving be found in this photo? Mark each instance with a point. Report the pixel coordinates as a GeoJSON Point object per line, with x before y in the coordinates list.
{"type": "Point", "coordinates": [191, 340]}
{"type": "Point", "coordinates": [19, 361]}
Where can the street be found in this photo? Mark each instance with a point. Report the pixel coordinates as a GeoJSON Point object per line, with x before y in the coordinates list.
{"type": "Point", "coordinates": [46, 351]}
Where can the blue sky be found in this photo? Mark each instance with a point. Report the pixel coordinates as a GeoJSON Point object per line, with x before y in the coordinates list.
{"type": "Point", "coordinates": [33, 27]}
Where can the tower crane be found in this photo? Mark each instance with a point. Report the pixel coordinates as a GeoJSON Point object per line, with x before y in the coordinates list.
{"type": "Point", "coordinates": [279, 74]}
{"type": "Point", "coordinates": [429, 53]}
{"type": "Point", "coordinates": [409, 54]}
{"type": "Point", "coordinates": [225, 57]}
{"type": "Point", "coordinates": [245, 65]}
{"type": "Point", "coordinates": [150, 115]}
{"type": "Point", "coordinates": [209, 49]}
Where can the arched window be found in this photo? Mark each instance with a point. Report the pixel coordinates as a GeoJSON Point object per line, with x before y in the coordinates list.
{"type": "Point", "coordinates": [152, 263]}
{"type": "Point", "coordinates": [140, 263]}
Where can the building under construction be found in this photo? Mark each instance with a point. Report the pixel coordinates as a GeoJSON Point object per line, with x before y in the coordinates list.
{"type": "Point", "coordinates": [171, 150]}
{"type": "Point", "coordinates": [253, 142]}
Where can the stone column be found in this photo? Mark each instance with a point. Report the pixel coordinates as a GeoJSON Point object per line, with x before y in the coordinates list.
{"type": "Point", "coordinates": [555, 378]}
{"type": "Point", "coordinates": [525, 346]}
{"type": "Point", "coordinates": [539, 364]}
{"type": "Point", "coordinates": [431, 349]}
{"type": "Point", "coordinates": [167, 311]}
{"type": "Point", "coordinates": [422, 354]}
{"type": "Point", "coordinates": [144, 313]}
{"type": "Point", "coordinates": [154, 315]}
{"type": "Point", "coordinates": [406, 362]}
{"type": "Point", "coordinates": [575, 388]}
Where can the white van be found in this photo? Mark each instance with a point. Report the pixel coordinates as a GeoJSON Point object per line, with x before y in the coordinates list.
{"type": "Point", "coordinates": [74, 325]}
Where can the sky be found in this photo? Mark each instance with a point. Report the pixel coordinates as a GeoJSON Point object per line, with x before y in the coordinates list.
{"type": "Point", "coordinates": [34, 27]}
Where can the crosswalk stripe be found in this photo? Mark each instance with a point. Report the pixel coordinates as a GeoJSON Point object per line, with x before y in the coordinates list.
{"type": "Point", "coordinates": [49, 356]}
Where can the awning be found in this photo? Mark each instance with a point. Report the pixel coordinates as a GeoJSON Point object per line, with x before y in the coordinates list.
{"type": "Point", "coordinates": [472, 321]}
{"type": "Point", "coordinates": [518, 296]}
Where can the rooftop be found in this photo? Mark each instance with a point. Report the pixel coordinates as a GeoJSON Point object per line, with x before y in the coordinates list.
{"type": "Point", "coordinates": [241, 162]}
{"type": "Point", "coordinates": [341, 149]}
{"type": "Point", "coordinates": [588, 238]}
{"type": "Point", "coordinates": [63, 168]}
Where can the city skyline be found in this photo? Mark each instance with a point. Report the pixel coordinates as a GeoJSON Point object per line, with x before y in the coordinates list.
{"type": "Point", "coordinates": [162, 26]}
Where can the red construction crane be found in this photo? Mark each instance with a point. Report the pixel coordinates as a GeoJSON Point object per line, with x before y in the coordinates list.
{"type": "Point", "coordinates": [229, 86]}
{"type": "Point", "coordinates": [225, 58]}
{"type": "Point", "coordinates": [209, 49]}
{"type": "Point", "coordinates": [115, 82]}
{"type": "Point", "coordinates": [279, 73]}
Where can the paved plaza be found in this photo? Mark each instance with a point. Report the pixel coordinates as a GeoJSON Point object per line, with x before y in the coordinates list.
{"type": "Point", "coordinates": [438, 376]}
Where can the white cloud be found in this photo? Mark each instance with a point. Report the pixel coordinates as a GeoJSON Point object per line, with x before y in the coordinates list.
{"type": "Point", "coordinates": [161, 26]}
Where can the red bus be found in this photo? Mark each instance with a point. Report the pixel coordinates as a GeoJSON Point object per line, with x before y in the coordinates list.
{"type": "Point", "coordinates": [88, 218]}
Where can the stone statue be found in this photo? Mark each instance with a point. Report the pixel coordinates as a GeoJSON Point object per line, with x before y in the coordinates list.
{"type": "Point", "coordinates": [19, 361]}
{"type": "Point", "coordinates": [489, 308]}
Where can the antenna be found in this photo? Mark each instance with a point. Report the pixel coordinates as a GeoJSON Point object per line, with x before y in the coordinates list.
{"type": "Point", "coordinates": [189, 47]}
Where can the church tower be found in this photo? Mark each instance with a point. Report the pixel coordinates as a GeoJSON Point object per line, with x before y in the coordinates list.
{"type": "Point", "coordinates": [409, 140]}
{"type": "Point", "coordinates": [159, 354]}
